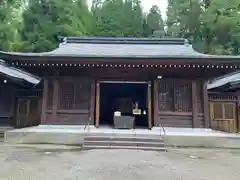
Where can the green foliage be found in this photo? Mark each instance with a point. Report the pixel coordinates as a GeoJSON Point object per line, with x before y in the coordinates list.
{"type": "Point", "coordinates": [9, 23]}
{"type": "Point", "coordinates": [222, 20]}
{"type": "Point", "coordinates": [34, 25]}
{"type": "Point", "coordinates": [44, 21]}
{"type": "Point", "coordinates": [117, 18]}
{"type": "Point", "coordinates": [155, 22]}
{"type": "Point", "coordinates": [212, 26]}
{"type": "Point", "coordinates": [183, 18]}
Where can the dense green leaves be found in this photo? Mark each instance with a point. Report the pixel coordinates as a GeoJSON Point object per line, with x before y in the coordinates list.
{"type": "Point", "coordinates": [117, 18]}
{"type": "Point", "coordinates": [155, 22]}
{"type": "Point", "coordinates": [222, 19]}
{"type": "Point", "coordinates": [213, 26]}
{"type": "Point", "coordinates": [45, 20]}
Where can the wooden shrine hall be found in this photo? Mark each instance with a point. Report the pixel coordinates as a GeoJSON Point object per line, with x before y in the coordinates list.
{"type": "Point", "coordinates": [88, 80]}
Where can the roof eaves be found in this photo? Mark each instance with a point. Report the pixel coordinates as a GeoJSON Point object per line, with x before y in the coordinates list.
{"type": "Point", "coordinates": [201, 58]}
{"type": "Point", "coordinates": [18, 74]}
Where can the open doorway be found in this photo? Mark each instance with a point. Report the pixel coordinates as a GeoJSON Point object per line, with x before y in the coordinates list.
{"type": "Point", "coordinates": [121, 97]}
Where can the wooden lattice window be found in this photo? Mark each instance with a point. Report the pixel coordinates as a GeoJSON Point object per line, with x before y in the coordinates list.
{"type": "Point", "coordinates": [222, 111]}
{"type": "Point", "coordinates": [175, 96]}
{"type": "Point", "coordinates": [182, 97]}
{"type": "Point", "coordinates": [74, 95]}
{"type": "Point", "coordinates": [166, 102]}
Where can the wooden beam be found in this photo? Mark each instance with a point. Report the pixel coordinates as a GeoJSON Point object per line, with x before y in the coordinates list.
{"type": "Point", "coordinates": [195, 122]}
{"type": "Point", "coordinates": [92, 101]}
{"type": "Point", "coordinates": [97, 105]}
{"type": "Point", "coordinates": [206, 106]}
{"type": "Point", "coordinates": [156, 109]}
{"type": "Point", "coordinates": [44, 101]}
{"type": "Point", "coordinates": [238, 112]}
{"type": "Point", "coordinates": [149, 99]}
{"type": "Point", "coordinates": [55, 98]}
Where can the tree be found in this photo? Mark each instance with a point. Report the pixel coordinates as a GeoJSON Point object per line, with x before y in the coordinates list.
{"type": "Point", "coordinates": [117, 18]}
{"type": "Point", "coordinates": [44, 20]}
{"type": "Point", "coordinates": [155, 22]}
{"type": "Point", "coordinates": [222, 20]}
{"type": "Point", "coordinates": [9, 22]}
{"type": "Point", "coordinates": [183, 18]}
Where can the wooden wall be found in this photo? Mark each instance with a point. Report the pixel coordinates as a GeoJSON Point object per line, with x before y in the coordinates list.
{"type": "Point", "coordinates": [71, 101]}
{"type": "Point", "coordinates": [224, 111]}
{"type": "Point", "coordinates": [180, 103]}
{"type": "Point", "coordinates": [7, 94]}
{"type": "Point", "coordinates": [68, 101]}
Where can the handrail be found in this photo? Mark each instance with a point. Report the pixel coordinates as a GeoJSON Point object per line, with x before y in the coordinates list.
{"type": "Point", "coordinates": [88, 123]}
{"type": "Point", "coordinates": [161, 126]}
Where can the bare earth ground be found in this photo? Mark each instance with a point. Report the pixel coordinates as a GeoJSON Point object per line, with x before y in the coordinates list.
{"type": "Point", "coordinates": [58, 163]}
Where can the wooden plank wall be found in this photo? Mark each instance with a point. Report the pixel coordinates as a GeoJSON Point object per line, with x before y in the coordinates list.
{"type": "Point", "coordinates": [180, 103]}
{"type": "Point", "coordinates": [224, 111]}
{"type": "Point", "coordinates": [69, 101]}
{"type": "Point", "coordinates": [7, 94]}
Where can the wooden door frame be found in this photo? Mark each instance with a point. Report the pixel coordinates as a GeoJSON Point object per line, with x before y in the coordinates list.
{"type": "Point", "coordinates": [97, 112]}
{"type": "Point", "coordinates": [148, 96]}
{"type": "Point", "coordinates": [149, 104]}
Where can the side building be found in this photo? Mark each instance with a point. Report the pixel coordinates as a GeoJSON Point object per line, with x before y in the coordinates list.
{"type": "Point", "coordinates": [12, 82]}
{"type": "Point", "coordinates": [224, 102]}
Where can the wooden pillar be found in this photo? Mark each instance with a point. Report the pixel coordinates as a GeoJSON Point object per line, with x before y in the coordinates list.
{"type": "Point", "coordinates": [97, 105]}
{"type": "Point", "coordinates": [92, 101]}
{"type": "Point", "coordinates": [206, 106]}
{"type": "Point", "coordinates": [196, 122]}
{"type": "Point", "coordinates": [44, 101]}
{"type": "Point", "coordinates": [149, 97]}
{"type": "Point", "coordinates": [55, 98]}
{"type": "Point", "coordinates": [156, 109]}
{"type": "Point", "coordinates": [237, 111]}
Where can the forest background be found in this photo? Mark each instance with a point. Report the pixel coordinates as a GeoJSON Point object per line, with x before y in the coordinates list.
{"type": "Point", "coordinates": [212, 26]}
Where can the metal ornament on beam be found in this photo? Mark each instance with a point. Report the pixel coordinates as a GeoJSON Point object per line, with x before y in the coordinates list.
{"type": "Point", "coordinates": [19, 63]}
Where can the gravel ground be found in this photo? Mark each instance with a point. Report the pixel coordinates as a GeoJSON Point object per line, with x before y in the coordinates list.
{"type": "Point", "coordinates": [51, 163]}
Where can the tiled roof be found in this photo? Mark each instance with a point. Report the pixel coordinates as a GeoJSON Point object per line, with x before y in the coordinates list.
{"type": "Point", "coordinates": [17, 73]}
{"type": "Point", "coordinates": [157, 48]}
{"type": "Point", "coordinates": [231, 78]}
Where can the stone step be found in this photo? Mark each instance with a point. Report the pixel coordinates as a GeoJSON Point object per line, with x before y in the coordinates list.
{"type": "Point", "coordinates": [150, 136]}
{"type": "Point", "coordinates": [124, 143]}
{"type": "Point", "coordinates": [91, 147]}
{"type": "Point", "coordinates": [115, 138]}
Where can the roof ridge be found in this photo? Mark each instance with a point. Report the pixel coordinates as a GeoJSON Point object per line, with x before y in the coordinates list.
{"type": "Point", "coordinates": [121, 40]}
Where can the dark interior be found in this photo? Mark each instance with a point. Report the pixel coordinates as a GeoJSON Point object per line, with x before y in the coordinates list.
{"type": "Point", "coordinates": [121, 97]}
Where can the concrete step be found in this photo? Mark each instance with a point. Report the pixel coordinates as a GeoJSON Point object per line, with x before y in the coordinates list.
{"type": "Point", "coordinates": [91, 147]}
{"type": "Point", "coordinates": [120, 138]}
{"type": "Point", "coordinates": [124, 143]}
{"type": "Point", "coordinates": [150, 136]}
